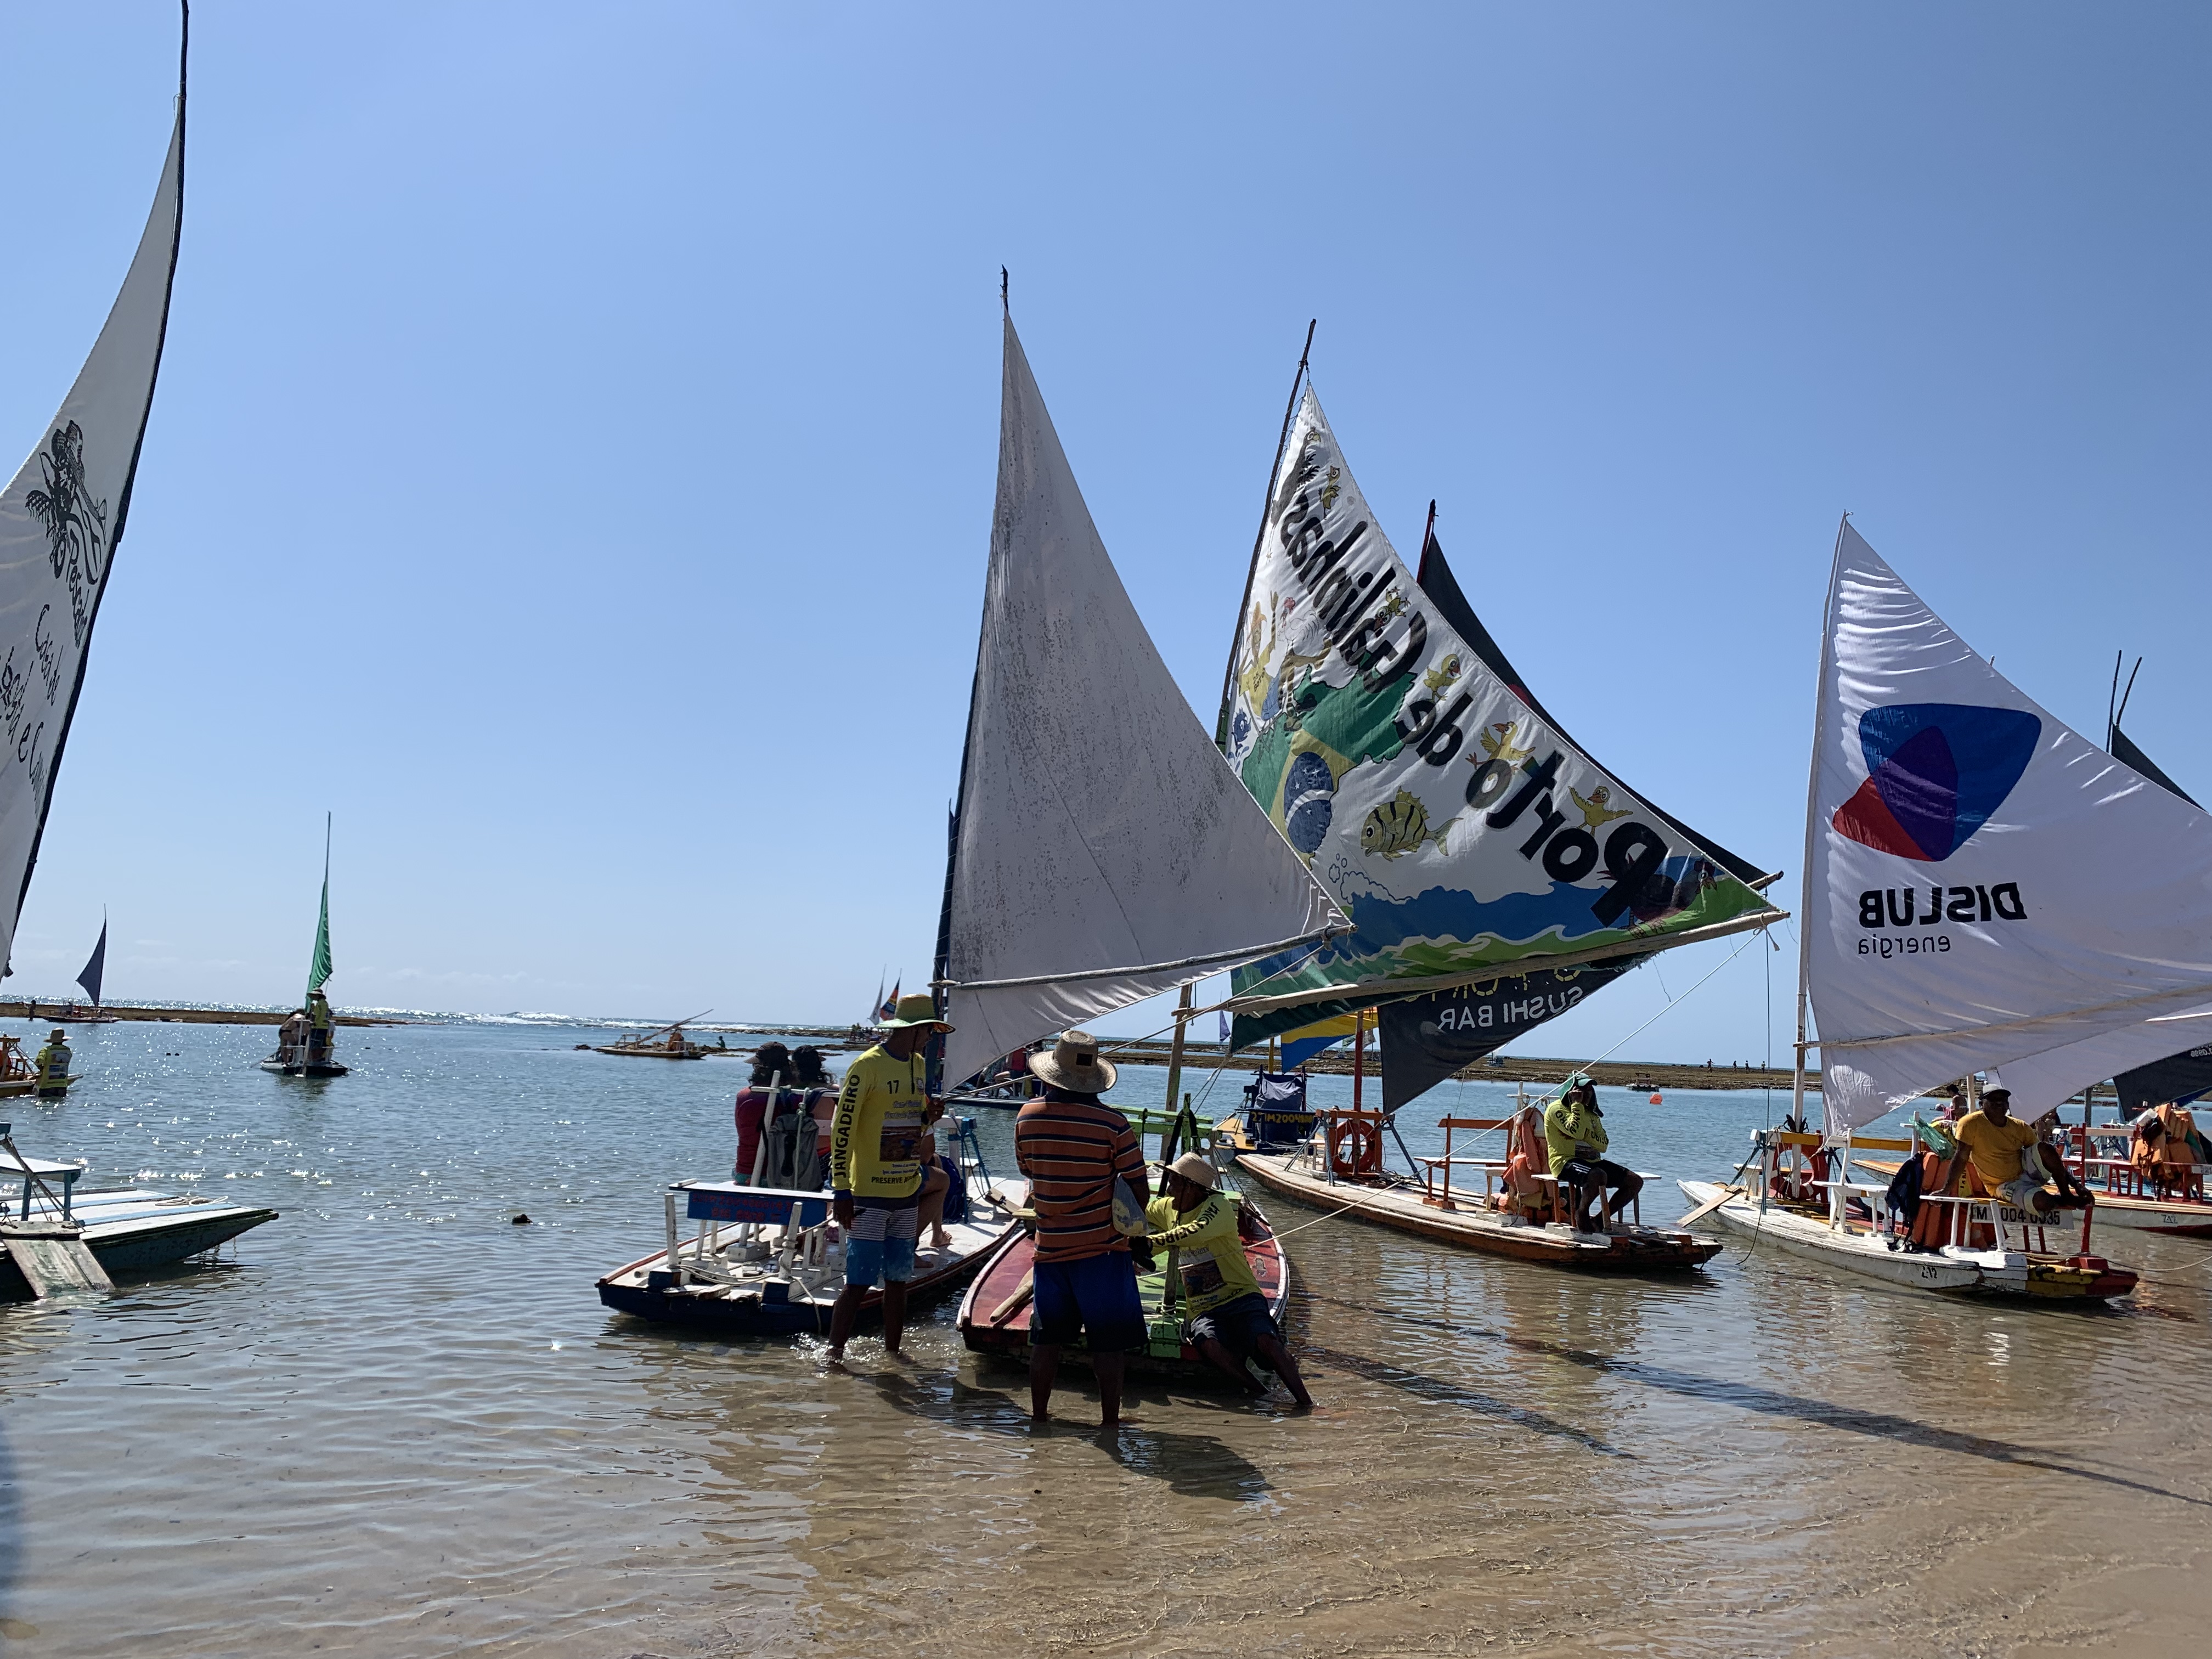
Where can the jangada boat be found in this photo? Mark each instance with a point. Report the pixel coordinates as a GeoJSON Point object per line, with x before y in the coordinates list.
{"type": "Point", "coordinates": [312, 1059]}
{"type": "Point", "coordinates": [48, 1228]}
{"type": "Point", "coordinates": [1499, 875]}
{"type": "Point", "coordinates": [994, 1315]}
{"type": "Point", "coordinates": [1987, 893]}
{"type": "Point", "coordinates": [769, 1261]}
{"type": "Point", "coordinates": [662, 1042]}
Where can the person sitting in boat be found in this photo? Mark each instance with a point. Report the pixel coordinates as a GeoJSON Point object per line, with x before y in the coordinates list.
{"type": "Point", "coordinates": [1229, 1322]}
{"type": "Point", "coordinates": [318, 1028]}
{"type": "Point", "coordinates": [2006, 1155]}
{"type": "Point", "coordinates": [53, 1065]}
{"type": "Point", "coordinates": [821, 1097]}
{"type": "Point", "coordinates": [292, 1038]}
{"type": "Point", "coordinates": [1575, 1141]}
{"type": "Point", "coordinates": [772, 1066]}
{"type": "Point", "coordinates": [875, 1169]}
{"type": "Point", "coordinates": [2051, 1147]}
{"type": "Point", "coordinates": [2166, 1149]}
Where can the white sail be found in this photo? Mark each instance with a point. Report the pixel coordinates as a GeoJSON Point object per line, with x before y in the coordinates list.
{"type": "Point", "coordinates": [60, 521]}
{"type": "Point", "coordinates": [1104, 851]}
{"type": "Point", "coordinates": [1985, 888]}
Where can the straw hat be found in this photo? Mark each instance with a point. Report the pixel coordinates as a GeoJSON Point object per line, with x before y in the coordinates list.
{"type": "Point", "coordinates": [1193, 1168]}
{"type": "Point", "coordinates": [918, 1008]}
{"type": "Point", "coordinates": [1073, 1064]}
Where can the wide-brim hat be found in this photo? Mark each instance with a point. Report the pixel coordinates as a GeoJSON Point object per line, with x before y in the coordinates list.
{"type": "Point", "coordinates": [919, 1009]}
{"type": "Point", "coordinates": [1195, 1169]}
{"type": "Point", "coordinates": [1073, 1064]}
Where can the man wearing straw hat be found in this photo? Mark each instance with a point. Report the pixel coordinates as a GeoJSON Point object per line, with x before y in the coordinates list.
{"type": "Point", "coordinates": [1075, 1152]}
{"type": "Point", "coordinates": [1229, 1322]}
{"type": "Point", "coordinates": [875, 1169]}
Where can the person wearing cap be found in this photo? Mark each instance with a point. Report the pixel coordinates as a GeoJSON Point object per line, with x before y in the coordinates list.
{"type": "Point", "coordinates": [1229, 1322]}
{"type": "Point", "coordinates": [1995, 1141]}
{"type": "Point", "coordinates": [1074, 1149]}
{"type": "Point", "coordinates": [54, 1064]}
{"type": "Point", "coordinates": [1575, 1144]}
{"type": "Point", "coordinates": [318, 1028]}
{"type": "Point", "coordinates": [875, 1169]}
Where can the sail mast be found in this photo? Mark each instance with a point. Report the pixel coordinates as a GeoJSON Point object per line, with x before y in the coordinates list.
{"type": "Point", "coordinates": [1266, 512]}
{"type": "Point", "coordinates": [1806, 913]}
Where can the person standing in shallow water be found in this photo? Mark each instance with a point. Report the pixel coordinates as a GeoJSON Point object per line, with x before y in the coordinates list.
{"type": "Point", "coordinates": [875, 1169]}
{"type": "Point", "coordinates": [1073, 1150]}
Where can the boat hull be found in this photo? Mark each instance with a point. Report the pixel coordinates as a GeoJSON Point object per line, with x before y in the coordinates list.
{"type": "Point", "coordinates": [133, 1232]}
{"type": "Point", "coordinates": [2004, 1274]}
{"type": "Point", "coordinates": [801, 1307]}
{"type": "Point", "coordinates": [1008, 1337]}
{"type": "Point", "coordinates": [1635, 1250]}
{"type": "Point", "coordinates": [331, 1069]}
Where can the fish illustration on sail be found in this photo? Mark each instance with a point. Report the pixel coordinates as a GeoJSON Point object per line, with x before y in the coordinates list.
{"type": "Point", "coordinates": [1400, 825]}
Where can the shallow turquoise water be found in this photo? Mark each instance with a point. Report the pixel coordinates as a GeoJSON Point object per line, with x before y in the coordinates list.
{"type": "Point", "coordinates": [393, 1422]}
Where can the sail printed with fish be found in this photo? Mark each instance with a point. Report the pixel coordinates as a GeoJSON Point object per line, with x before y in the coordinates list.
{"type": "Point", "coordinates": [1102, 852]}
{"type": "Point", "coordinates": [61, 520]}
{"type": "Point", "coordinates": [1461, 830]}
{"type": "Point", "coordinates": [1985, 888]}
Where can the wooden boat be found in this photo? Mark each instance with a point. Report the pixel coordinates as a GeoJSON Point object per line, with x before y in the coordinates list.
{"type": "Point", "coordinates": [19, 1076]}
{"type": "Point", "coordinates": [662, 1042]}
{"type": "Point", "coordinates": [301, 1059]}
{"type": "Point", "coordinates": [1784, 1201]}
{"type": "Point", "coordinates": [994, 1315]}
{"type": "Point", "coordinates": [130, 1230]}
{"type": "Point", "coordinates": [1335, 1175]}
{"type": "Point", "coordinates": [280, 1064]}
{"type": "Point", "coordinates": [781, 1263]}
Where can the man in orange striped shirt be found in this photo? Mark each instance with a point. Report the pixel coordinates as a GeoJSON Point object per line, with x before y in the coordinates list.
{"type": "Point", "coordinates": [1074, 1149]}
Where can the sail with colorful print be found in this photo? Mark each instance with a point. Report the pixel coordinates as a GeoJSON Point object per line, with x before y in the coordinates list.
{"type": "Point", "coordinates": [1468, 838]}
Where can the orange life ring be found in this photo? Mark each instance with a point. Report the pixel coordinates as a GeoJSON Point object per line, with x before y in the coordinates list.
{"type": "Point", "coordinates": [1355, 1147]}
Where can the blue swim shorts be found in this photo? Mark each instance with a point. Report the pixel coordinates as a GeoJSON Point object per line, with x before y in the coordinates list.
{"type": "Point", "coordinates": [1096, 1296]}
{"type": "Point", "coordinates": [880, 1246]}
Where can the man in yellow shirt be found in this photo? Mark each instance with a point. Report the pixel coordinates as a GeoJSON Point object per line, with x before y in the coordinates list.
{"type": "Point", "coordinates": [1995, 1141]}
{"type": "Point", "coordinates": [1575, 1142]}
{"type": "Point", "coordinates": [876, 1139]}
{"type": "Point", "coordinates": [1229, 1318]}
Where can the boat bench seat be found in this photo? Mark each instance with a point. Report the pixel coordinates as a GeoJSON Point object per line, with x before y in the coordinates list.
{"type": "Point", "coordinates": [63, 1175]}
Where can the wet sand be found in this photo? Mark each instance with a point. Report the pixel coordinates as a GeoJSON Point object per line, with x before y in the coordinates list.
{"type": "Point", "coordinates": [394, 1423]}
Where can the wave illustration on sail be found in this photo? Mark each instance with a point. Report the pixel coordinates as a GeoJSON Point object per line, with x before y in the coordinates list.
{"type": "Point", "coordinates": [1463, 831]}
{"type": "Point", "coordinates": [61, 521]}
{"type": "Point", "coordinates": [1102, 852]}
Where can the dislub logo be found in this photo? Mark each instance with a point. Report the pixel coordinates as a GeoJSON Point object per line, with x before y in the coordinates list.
{"type": "Point", "coordinates": [1936, 771]}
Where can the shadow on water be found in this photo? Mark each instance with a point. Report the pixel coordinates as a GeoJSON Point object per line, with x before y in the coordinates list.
{"type": "Point", "coordinates": [1436, 1391]}
{"type": "Point", "coordinates": [1768, 1402]}
{"type": "Point", "coordinates": [1192, 1465]}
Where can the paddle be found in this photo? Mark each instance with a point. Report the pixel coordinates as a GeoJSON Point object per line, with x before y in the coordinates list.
{"type": "Point", "coordinates": [1710, 1205]}
{"type": "Point", "coordinates": [1014, 1303]}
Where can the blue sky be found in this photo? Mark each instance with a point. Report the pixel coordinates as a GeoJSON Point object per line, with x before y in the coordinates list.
{"type": "Point", "coordinates": [573, 462]}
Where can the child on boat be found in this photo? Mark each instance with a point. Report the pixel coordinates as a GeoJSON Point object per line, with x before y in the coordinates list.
{"type": "Point", "coordinates": [1230, 1322]}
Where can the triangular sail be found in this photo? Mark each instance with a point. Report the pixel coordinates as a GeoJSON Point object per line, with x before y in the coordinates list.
{"type": "Point", "coordinates": [61, 520]}
{"type": "Point", "coordinates": [2124, 751]}
{"type": "Point", "coordinates": [319, 964]}
{"type": "Point", "coordinates": [97, 967]}
{"type": "Point", "coordinates": [1984, 886]}
{"type": "Point", "coordinates": [1465, 835]}
{"type": "Point", "coordinates": [1102, 852]}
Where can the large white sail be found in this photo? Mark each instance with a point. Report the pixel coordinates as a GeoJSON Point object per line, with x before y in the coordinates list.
{"type": "Point", "coordinates": [1466, 835]}
{"type": "Point", "coordinates": [1103, 851]}
{"type": "Point", "coordinates": [1985, 888]}
{"type": "Point", "coordinates": [60, 521]}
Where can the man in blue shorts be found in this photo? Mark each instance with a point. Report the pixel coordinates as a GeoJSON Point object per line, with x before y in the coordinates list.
{"type": "Point", "coordinates": [1073, 1150]}
{"type": "Point", "coordinates": [875, 1169]}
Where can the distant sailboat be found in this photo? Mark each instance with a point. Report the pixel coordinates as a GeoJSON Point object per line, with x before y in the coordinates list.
{"type": "Point", "coordinates": [309, 1047]}
{"type": "Point", "coordinates": [89, 978]}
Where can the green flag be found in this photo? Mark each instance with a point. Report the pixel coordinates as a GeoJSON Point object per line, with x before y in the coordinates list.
{"type": "Point", "coordinates": [319, 967]}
